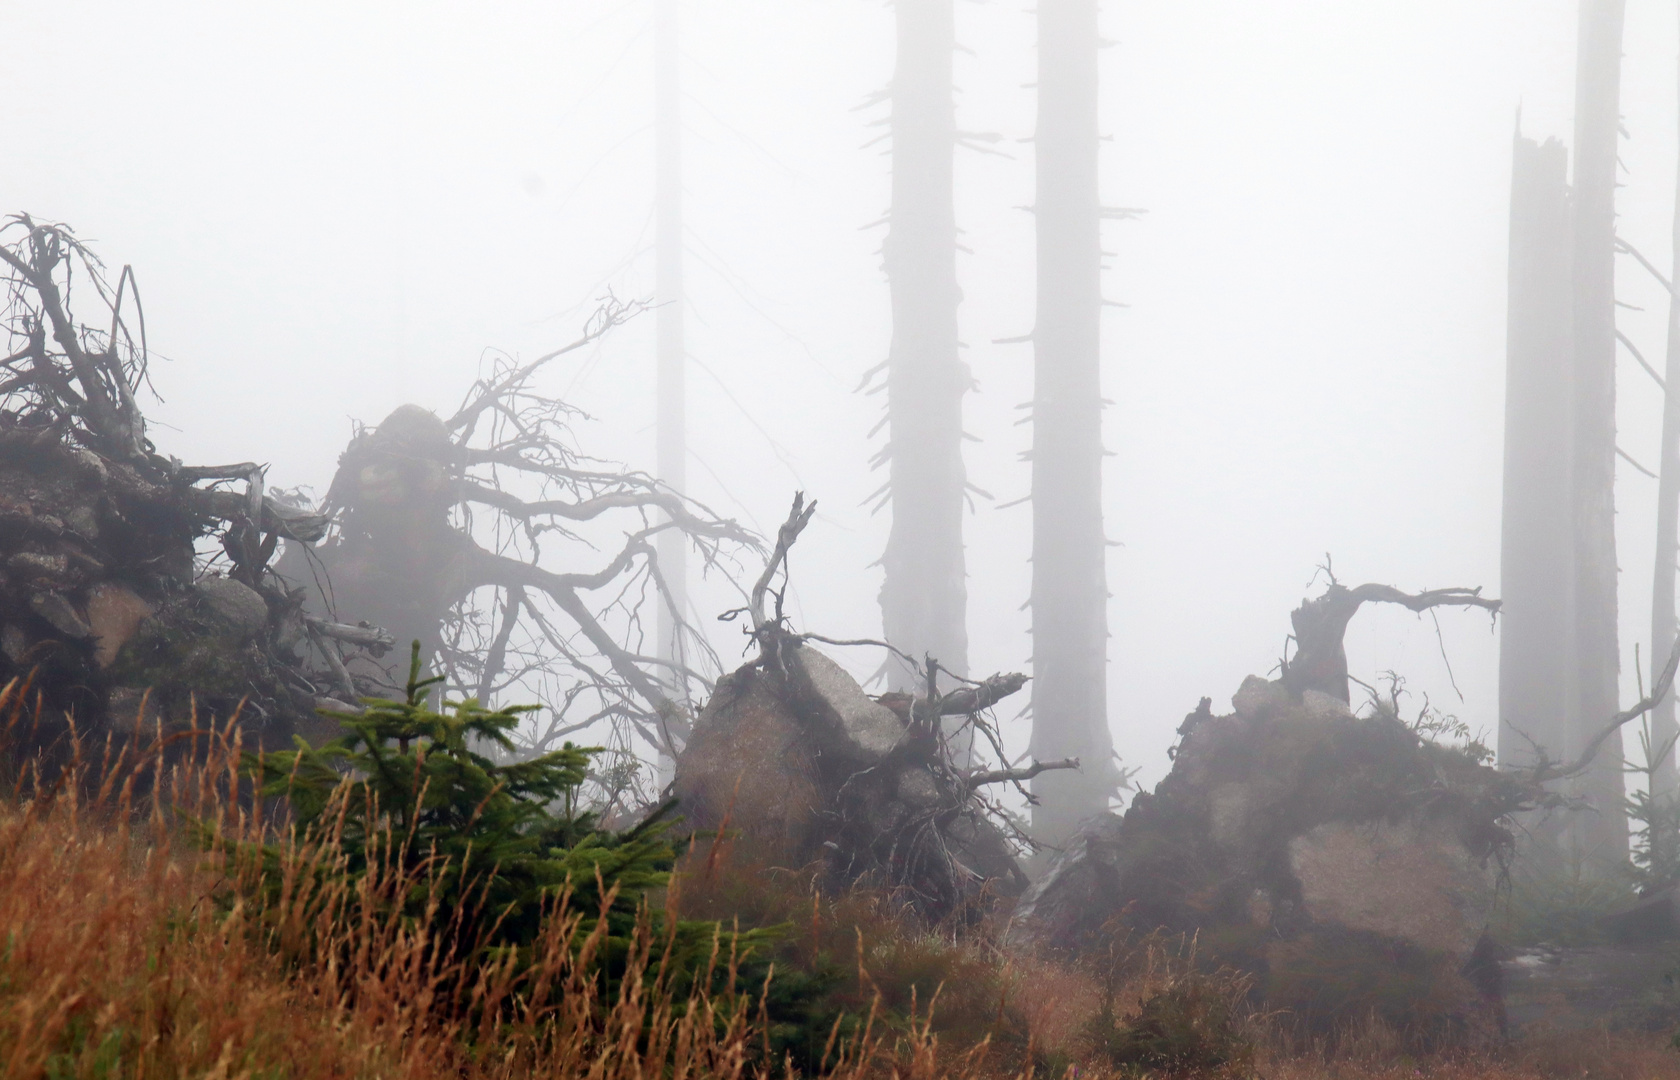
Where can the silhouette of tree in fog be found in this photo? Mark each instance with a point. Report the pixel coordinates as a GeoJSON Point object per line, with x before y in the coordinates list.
{"type": "Point", "coordinates": [924, 596]}
{"type": "Point", "coordinates": [1537, 645]}
{"type": "Point", "coordinates": [1663, 726]}
{"type": "Point", "coordinates": [1559, 659]}
{"type": "Point", "coordinates": [1070, 585]}
{"type": "Point", "coordinates": [672, 420]}
{"type": "Point", "coordinates": [1597, 126]}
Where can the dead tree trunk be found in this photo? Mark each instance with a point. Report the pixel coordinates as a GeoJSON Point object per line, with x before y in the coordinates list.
{"type": "Point", "coordinates": [1602, 835]}
{"type": "Point", "coordinates": [1320, 660]}
{"type": "Point", "coordinates": [1070, 586]}
{"type": "Point", "coordinates": [1663, 628]}
{"type": "Point", "coordinates": [672, 436]}
{"type": "Point", "coordinates": [924, 595]}
{"type": "Point", "coordinates": [1537, 643]}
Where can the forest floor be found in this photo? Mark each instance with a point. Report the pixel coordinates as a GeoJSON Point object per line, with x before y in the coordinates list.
{"type": "Point", "coordinates": [118, 959]}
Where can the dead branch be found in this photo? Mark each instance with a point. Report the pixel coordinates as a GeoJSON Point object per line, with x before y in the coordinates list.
{"type": "Point", "coordinates": [373, 638]}
{"type": "Point", "coordinates": [798, 517]}
{"type": "Point", "coordinates": [491, 393]}
{"type": "Point", "coordinates": [93, 376]}
{"type": "Point", "coordinates": [1320, 661]}
{"type": "Point", "coordinates": [982, 695]}
{"type": "Point", "coordinates": [1017, 776]}
{"type": "Point", "coordinates": [1547, 771]}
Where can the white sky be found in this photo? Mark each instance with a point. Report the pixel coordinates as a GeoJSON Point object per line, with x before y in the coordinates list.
{"type": "Point", "coordinates": [335, 207]}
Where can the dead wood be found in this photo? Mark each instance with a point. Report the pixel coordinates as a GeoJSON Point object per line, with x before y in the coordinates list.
{"type": "Point", "coordinates": [1000, 776]}
{"type": "Point", "coordinates": [519, 560]}
{"type": "Point", "coordinates": [1320, 660]}
{"type": "Point", "coordinates": [106, 592]}
{"type": "Point", "coordinates": [878, 789]}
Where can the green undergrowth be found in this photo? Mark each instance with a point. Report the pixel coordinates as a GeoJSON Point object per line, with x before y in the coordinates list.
{"type": "Point", "coordinates": [407, 815]}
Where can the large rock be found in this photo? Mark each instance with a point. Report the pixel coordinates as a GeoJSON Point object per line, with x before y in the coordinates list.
{"type": "Point", "coordinates": [1344, 861]}
{"type": "Point", "coordinates": [1411, 879]}
{"type": "Point", "coordinates": [849, 722]}
{"type": "Point", "coordinates": [240, 606]}
{"type": "Point", "coordinates": [114, 612]}
{"type": "Point", "coordinates": [749, 763]}
{"type": "Point", "coordinates": [809, 769]}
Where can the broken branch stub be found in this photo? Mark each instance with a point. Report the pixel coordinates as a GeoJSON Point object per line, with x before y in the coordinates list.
{"type": "Point", "coordinates": [1320, 661]}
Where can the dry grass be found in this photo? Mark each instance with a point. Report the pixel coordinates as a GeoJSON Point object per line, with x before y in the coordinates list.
{"type": "Point", "coordinates": [126, 951]}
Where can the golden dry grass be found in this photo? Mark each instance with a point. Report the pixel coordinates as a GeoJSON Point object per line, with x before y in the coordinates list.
{"type": "Point", "coordinates": [124, 952]}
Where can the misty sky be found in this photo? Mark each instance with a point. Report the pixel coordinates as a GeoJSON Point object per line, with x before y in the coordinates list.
{"type": "Point", "coordinates": [335, 208]}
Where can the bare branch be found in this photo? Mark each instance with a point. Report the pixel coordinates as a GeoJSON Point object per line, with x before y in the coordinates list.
{"type": "Point", "coordinates": [1547, 771]}
{"type": "Point", "coordinates": [1004, 776]}
{"type": "Point", "coordinates": [1320, 663]}
{"type": "Point", "coordinates": [973, 699]}
{"type": "Point", "coordinates": [373, 638]}
{"type": "Point", "coordinates": [798, 517]}
{"type": "Point", "coordinates": [612, 312]}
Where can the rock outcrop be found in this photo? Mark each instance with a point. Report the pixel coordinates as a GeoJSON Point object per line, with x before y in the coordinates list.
{"type": "Point", "coordinates": [1346, 862]}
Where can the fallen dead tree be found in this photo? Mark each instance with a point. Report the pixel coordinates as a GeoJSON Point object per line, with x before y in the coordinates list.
{"type": "Point", "coordinates": [519, 561]}
{"type": "Point", "coordinates": [1347, 862]}
{"type": "Point", "coordinates": [794, 756]}
{"type": "Point", "coordinates": [103, 594]}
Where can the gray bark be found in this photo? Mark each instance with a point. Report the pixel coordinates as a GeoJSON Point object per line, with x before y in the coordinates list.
{"type": "Point", "coordinates": [1602, 836]}
{"type": "Point", "coordinates": [924, 594]}
{"type": "Point", "coordinates": [1070, 588]}
{"type": "Point", "coordinates": [1663, 726]}
{"type": "Point", "coordinates": [672, 420]}
{"type": "Point", "coordinates": [1537, 645]}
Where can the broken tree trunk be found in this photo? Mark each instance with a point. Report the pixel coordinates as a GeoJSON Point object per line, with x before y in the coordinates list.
{"type": "Point", "coordinates": [672, 393]}
{"type": "Point", "coordinates": [1663, 627]}
{"type": "Point", "coordinates": [1536, 642]}
{"type": "Point", "coordinates": [1601, 835]}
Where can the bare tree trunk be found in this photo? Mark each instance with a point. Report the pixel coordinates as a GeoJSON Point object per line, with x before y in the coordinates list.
{"type": "Point", "coordinates": [1070, 587]}
{"type": "Point", "coordinates": [924, 595]}
{"type": "Point", "coordinates": [1601, 836]}
{"type": "Point", "coordinates": [672, 434]}
{"type": "Point", "coordinates": [1537, 636]}
{"type": "Point", "coordinates": [1663, 727]}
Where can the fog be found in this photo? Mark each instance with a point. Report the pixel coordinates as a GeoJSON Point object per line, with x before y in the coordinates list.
{"type": "Point", "coordinates": [335, 208]}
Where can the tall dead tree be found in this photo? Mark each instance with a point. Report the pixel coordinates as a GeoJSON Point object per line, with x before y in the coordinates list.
{"type": "Point", "coordinates": [1537, 644]}
{"type": "Point", "coordinates": [1603, 835]}
{"type": "Point", "coordinates": [1070, 585]}
{"type": "Point", "coordinates": [672, 421]}
{"type": "Point", "coordinates": [924, 594]}
{"type": "Point", "coordinates": [1663, 626]}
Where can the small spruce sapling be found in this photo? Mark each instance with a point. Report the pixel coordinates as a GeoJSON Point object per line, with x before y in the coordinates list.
{"type": "Point", "coordinates": [488, 846]}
